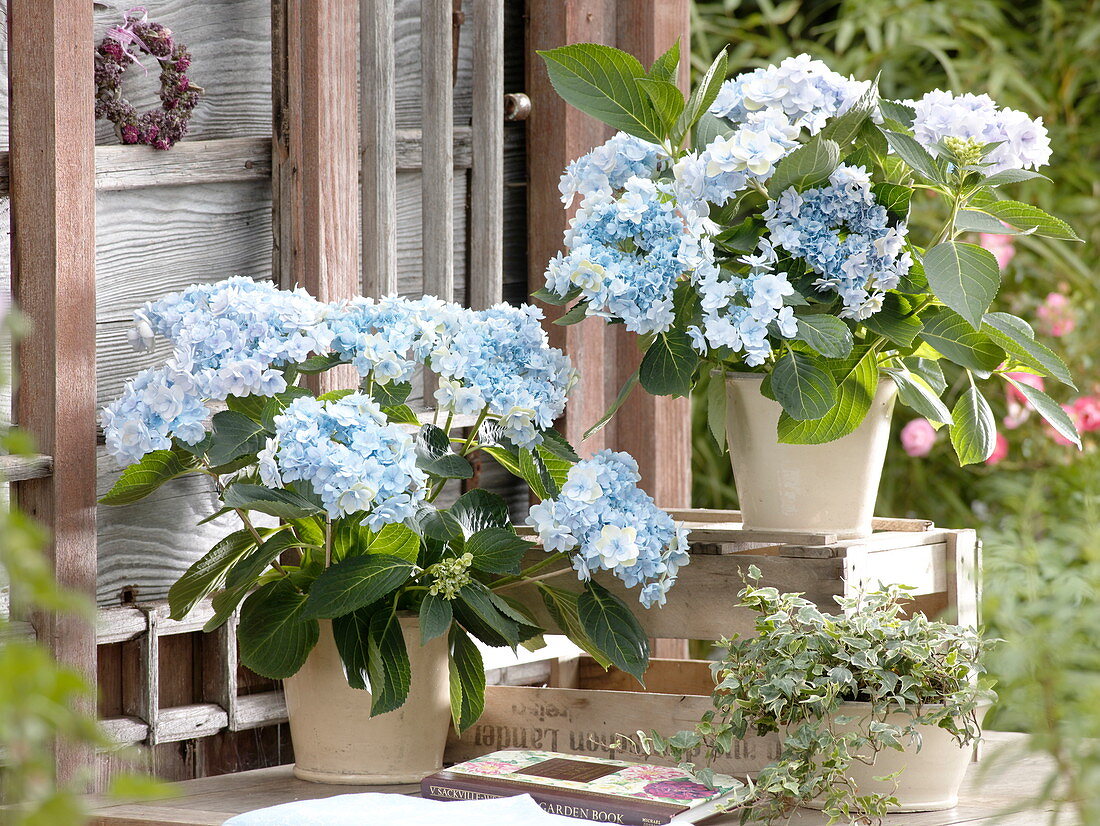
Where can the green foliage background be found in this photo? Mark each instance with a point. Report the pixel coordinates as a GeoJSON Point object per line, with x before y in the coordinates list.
{"type": "Point", "coordinates": [1041, 57]}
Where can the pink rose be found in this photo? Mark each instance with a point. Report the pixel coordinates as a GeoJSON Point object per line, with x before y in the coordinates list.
{"type": "Point", "coordinates": [1057, 315]}
{"type": "Point", "coordinates": [1003, 247]}
{"type": "Point", "coordinates": [917, 437]}
{"type": "Point", "coordinates": [1000, 451]}
{"type": "Point", "coordinates": [1087, 413]}
{"type": "Point", "coordinates": [1030, 379]}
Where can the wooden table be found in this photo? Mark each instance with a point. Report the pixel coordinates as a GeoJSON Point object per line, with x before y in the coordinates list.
{"type": "Point", "coordinates": [991, 786]}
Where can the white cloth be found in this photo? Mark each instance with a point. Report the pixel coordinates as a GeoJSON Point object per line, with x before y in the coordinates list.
{"type": "Point", "coordinates": [375, 809]}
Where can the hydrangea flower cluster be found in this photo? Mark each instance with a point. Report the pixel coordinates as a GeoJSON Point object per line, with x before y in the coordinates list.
{"type": "Point", "coordinates": [940, 116]}
{"type": "Point", "coordinates": [844, 234]}
{"type": "Point", "coordinates": [805, 90]}
{"type": "Point", "coordinates": [740, 311]}
{"type": "Point", "coordinates": [387, 339]}
{"type": "Point", "coordinates": [609, 166]}
{"type": "Point", "coordinates": [350, 455]}
{"type": "Point", "coordinates": [155, 405]}
{"type": "Point", "coordinates": [626, 254]}
{"type": "Point", "coordinates": [499, 360]}
{"type": "Point", "coordinates": [610, 524]}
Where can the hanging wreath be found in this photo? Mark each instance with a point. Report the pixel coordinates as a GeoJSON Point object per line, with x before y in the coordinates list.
{"type": "Point", "coordinates": [121, 48]}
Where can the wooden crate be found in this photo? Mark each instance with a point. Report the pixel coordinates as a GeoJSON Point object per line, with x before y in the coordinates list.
{"type": "Point", "coordinates": [580, 709]}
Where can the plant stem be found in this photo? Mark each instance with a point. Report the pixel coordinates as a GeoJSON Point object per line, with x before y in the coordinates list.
{"type": "Point", "coordinates": [528, 580]}
{"type": "Point", "coordinates": [328, 542]}
{"type": "Point", "coordinates": [473, 431]}
{"type": "Point", "coordinates": [532, 569]}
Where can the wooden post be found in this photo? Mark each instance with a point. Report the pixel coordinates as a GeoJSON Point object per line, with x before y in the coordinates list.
{"type": "Point", "coordinates": [487, 173]}
{"type": "Point", "coordinates": [437, 122]}
{"type": "Point", "coordinates": [53, 276]}
{"type": "Point", "coordinates": [556, 134]}
{"type": "Point", "coordinates": [659, 431]}
{"type": "Point", "coordinates": [315, 65]}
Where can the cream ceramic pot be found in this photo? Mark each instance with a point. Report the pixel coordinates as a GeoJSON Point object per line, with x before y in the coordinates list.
{"type": "Point", "coordinates": [828, 488]}
{"type": "Point", "coordinates": [335, 738]}
{"type": "Point", "coordinates": [930, 778]}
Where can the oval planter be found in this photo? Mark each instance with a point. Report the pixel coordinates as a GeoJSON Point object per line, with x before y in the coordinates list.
{"type": "Point", "coordinates": [335, 738]}
{"type": "Point", "coordinates": [929, 779]}
{"type": "Point", "coordinates": [827, 488]}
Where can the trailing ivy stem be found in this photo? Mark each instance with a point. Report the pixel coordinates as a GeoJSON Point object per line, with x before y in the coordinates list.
{"type": "Point", "coordinates": [530, 579]}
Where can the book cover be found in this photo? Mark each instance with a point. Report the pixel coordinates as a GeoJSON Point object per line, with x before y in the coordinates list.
{"type": "Point", "coordinates": [590, 788]}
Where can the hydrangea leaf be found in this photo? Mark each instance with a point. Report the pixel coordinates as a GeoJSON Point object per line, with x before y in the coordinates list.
{"type": "Point", "coordinates": [558, 445]}
{"type": "Point", "coordinates": [664, 67]}
{"type": "Point", "coordinates": [497, 551]}
{"type": "Point", "coordinates": [716, 407]}
{"type": "Point", "coordinates": [917, 395]}
{"type": "Point", "coordinates": [477, 614]}
{"type": "Point", "coordinates": [613, 629]}
{"type": "Point", "coordinates": [826, 334]}
{"type": "Point", "coordinates": [666, 98]}
{"type": "Point", "coordinates": [350, 633]}
{"type": "Point", "coordinates": [467, 680]}
{"type": "Point", "coordinates": [155, 468]}
{"type": "Point", "coordinates": [208, 572]}
{"type": "Point", "coordinates": [435, 617]}
{"type": "Point", "coordinates": [702, 97]}
{"type": "Point", "coordinates": [804, 388]}
{"type": "Point", "coordinates": [479, 509]}
{"type": "Point", "coordinates": [391, 394]}
{"type": "Point", "coordinates": [896, 320]}
{"type": "Point", "coordinates": [955, 338]}
{"type": "Point", "coordinates": [624, 394]}
{"type": "Point", "coordinates": [810, 164]}
{"type": "Point", "coordinates": [234, 435]}
{"type": "Point", "coordinates": [275, 638]}
{"type": "Point", "coordinates": [355, 583]}
{"type": "Point", "coordinates": [1049, 409]}
{"type": "Point", "coordinates": [857, 380]}
{"type": "Point", "coordinates": [1028, 217]}
{"type": "Point", "coordinates": [387, 663]}
{"type": "Point", "coordinates": [845, 128]}
{"type": "Point", "coordinates": [668, 364]}
{"type": "Point", "coordinates": [563, 608]}
{"type": "Point", "coordinates": [435, 456]}
{"type": "Point", "coordinates": [915, 155]}
{"type": "Point", "coordinates": [1011, 176]}
{"type": "Point", "coordinates": [1015, 336]}
{"type": "Point", "coordinates": [974, 430]}
{"type": "Point", "coordinates": [963, 276]}
{"type": "Point", "coordinates": [284, 504]}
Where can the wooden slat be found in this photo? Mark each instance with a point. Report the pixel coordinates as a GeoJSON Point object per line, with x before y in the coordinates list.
{"type": "Point", "coordinates": [188, 722]}
{"type": "Point", "coordinates": [437, 115]}
{"type": "Point", "coordinates": [125, 731]}
{"type": "Point", "coordinates": [256, 710]}
{"type": "Point", "coordinates": [378, 147]}
{"type": "Point", "coordinates": [148, 696]}
{"type": "Point", "coordinates": [228, 159]}
{"type": "Point", "coordinates": [21, 468]}
{"type": "Point", "coordinates": [53, 268]}
{"type": "Point", "coordinates": [487, 174]}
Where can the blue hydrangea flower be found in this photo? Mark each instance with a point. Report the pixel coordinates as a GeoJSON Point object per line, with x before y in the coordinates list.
{"type": "Point", "coordinates": [843, 233]}
{"type": "Point", "coordinates": [500, 361]}
{"type": "Point", "coordinates": [155, 405]}
{"type": "Point", "coordinates": [608, 523]}
{"type": "Point", "coordinates": [350, 455]}
{"type": "Point", "coordinates": [626, 253]}
{"type": "Point", "coordinates": [609, 166]}
{"type": "Point", "coordinates": [1024, 143]}
{"type": "Point", "coordinates": [739, 311]}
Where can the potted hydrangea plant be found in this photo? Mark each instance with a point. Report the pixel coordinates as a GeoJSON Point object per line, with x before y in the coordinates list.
{"type": "Point", "coordinates": [354, 584]}
{"type": "Point", "coordinates": [758, 230]}
{"type": "Point", "coordinates": [877, 711]}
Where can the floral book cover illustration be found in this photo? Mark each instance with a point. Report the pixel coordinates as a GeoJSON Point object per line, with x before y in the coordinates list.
{"type": "Point", "coordinates": [590, 788]}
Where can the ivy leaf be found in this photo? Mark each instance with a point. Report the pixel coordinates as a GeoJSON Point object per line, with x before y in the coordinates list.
{"type": "Point", "coordinates": [826, 334]}
{"type": "Point", "coordinates": [275, 638]}
{"type": "Point", "coordinates": [1048, 409]}
{"type": "Point", "coordinates": [155, 468]}
{"type": "Point", "coordinates": [952, 336]}
{"type": "Point", "coordinates": [467, 673]}
{"type": "Point", "coordinates": [387, 663]}
{"type": "Point", "coordinates": [810, 164]}
{"type": "Point", "coordinates": [804, 388]}
{"type": "Point", "coordinates": [207, 573]}
{"type": "Point", "coordinates": [602, 81]}
{"type": "Point", "coordinates": [613, 629]}
{"type": "Point", "coordinates": [974, 430]}
{"type": "Point", "coordinates": [965, 277]}
{"type": "Point", "coordinates": [668, 364]}
{"type": "Point", "coordinates": [356, 583]}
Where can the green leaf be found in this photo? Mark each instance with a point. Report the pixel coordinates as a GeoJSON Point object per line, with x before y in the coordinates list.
{"type": "Point", "coordinates": [666, 98]}
{"type": "Point", "coordinates": [558, 445]}
{"type": "Point", "coordinates": [556, 467]}
{"type": "Point", "coordinates": [953, 336]}
{"type": "Point", "coordinates": [479, 509]}
{"type": "Point", "coordinates": [716, 408]}
{"type": "Point", "coordinates": [574, 315]}
{"type": "Point", "coordinates": [396, 540]}
{"type": "Point", "coordinates": [475, 610]}
{"type": "Point", "coordinates": [895, 321]}
{"type": "Point", "coordinates": [275, 638]}
{"type": "Point", "coordinates": [277, 404]}
{"type": "Point", "coordinates": [900, 112]}
{"type": "Point", "coordinates": [664, 67]}
{"type": "Point", "coordinates": [856, 378]}
{"type": "Point", "coordinates": [929, 370]}
{"type": "Point", "coordinates": [234, 435]}
{"type": "Point", "coordinates": [467, 673]}
{"type": "Point", "coordinates": [356, 583]}
{"type": "Point", "coordinates": [497, 551]}
{"type": "Point", "coordinates": [1026, 216]}
{"type": "Point", "coordinates": [970, 220]}
{"type": "Point", "coordinates": [613, 629]}
{"type": "Point", "coordinates": [319, 364]}
{"type": "Point", "coordinates": [601, 81]}
{"type": "Point", "coordinates": [1015, 336]}
{"type": "Point", "coordinates": [391, 394]}
{"type": "Point", "coordinates": [435, 617]}
{"type": "Point", "coordinates": [702, 97]}
{"type": "Point", "coordinates": [387, 663]}
{"type": "Point", "coordinates": [401, 414]}
{"type": "Point", "coordinates": [247, 570]}
{"type": "Point", "coordinates": [624, 393]}
{"type": "Point", "coordinates": [534, 471]}
{"type": "Point", "coordinates": [505, 458]}
{"type": "Point", "coordinates": [709, 128]}
{"type": "Point", "coordinates": [804, 388]}
{"type": "Point", "coordinates": [1048, 409]}
{"type": "Point", "coordinates": [544, 295]}
{"type": "Point", "coordinates": [826, 334]}
{"type": "Point", "coordinates": [435, 456]}
{"type": "Point", "coordinates": [250, 406]}
{"type": "Point", "coordinates": [844, 128]}
{"type": "Point", "coordinates": [810, 164]}
{"type": "Point", "coordinates": [916, 394]}
{"type": "Point", "coordinates": [207, 573]}
{"type": "Point", "coordinates": [350, 633]}
{"type": "Point", "coordinates": [894, 197]}
{"type": "Point", "coordinates": [915, 155]}
{"type": "Point", "coordinates": [974, 430]}
{"type": "Point", "coordinates": [965, 277]}
{"type": "Point", "coordinates": [284, 504]}
{"type": "Point", "coordinates": [155, 468]}
{"type": "Point", "coordinates": [1010, 176]}
{"type": "Point", "coordinates": [668, 364]}
{"type": "Point", "coordinates": [563, 609]}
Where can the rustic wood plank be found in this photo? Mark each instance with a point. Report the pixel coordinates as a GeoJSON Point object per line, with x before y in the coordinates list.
{"type": "Point", "coordinates": [487, 174]}
{"type": "Point", "coordinates": [437, 118]}
{"type": "Point", "coordinates": [188, 722]}
{"type": "Point", "coordinates": [148, 696]}
{"type": "Point", "coordinates": [378, 147]}
{"type": "Point", "coordinates": [963, 581]}
{"type": "Point", "coordinates": [21, 468]}
{"type": "Point", "coordinates": [256, 710]}
{"type": "Point", "coordinates": [924, 568]}
{"type": "Point", "coordinates": [53, 268]}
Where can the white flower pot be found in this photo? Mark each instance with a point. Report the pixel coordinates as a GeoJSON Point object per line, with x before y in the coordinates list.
{"type": "Point", "coordinates": [930, 778]}
{"type": "Point", "coordinates": [335, 738]}
{"type": "Point", "coordinates": [828, 488]}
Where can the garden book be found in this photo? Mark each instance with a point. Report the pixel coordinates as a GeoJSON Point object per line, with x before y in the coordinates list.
{"type": "Point", "coordinates": [589, 788]}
